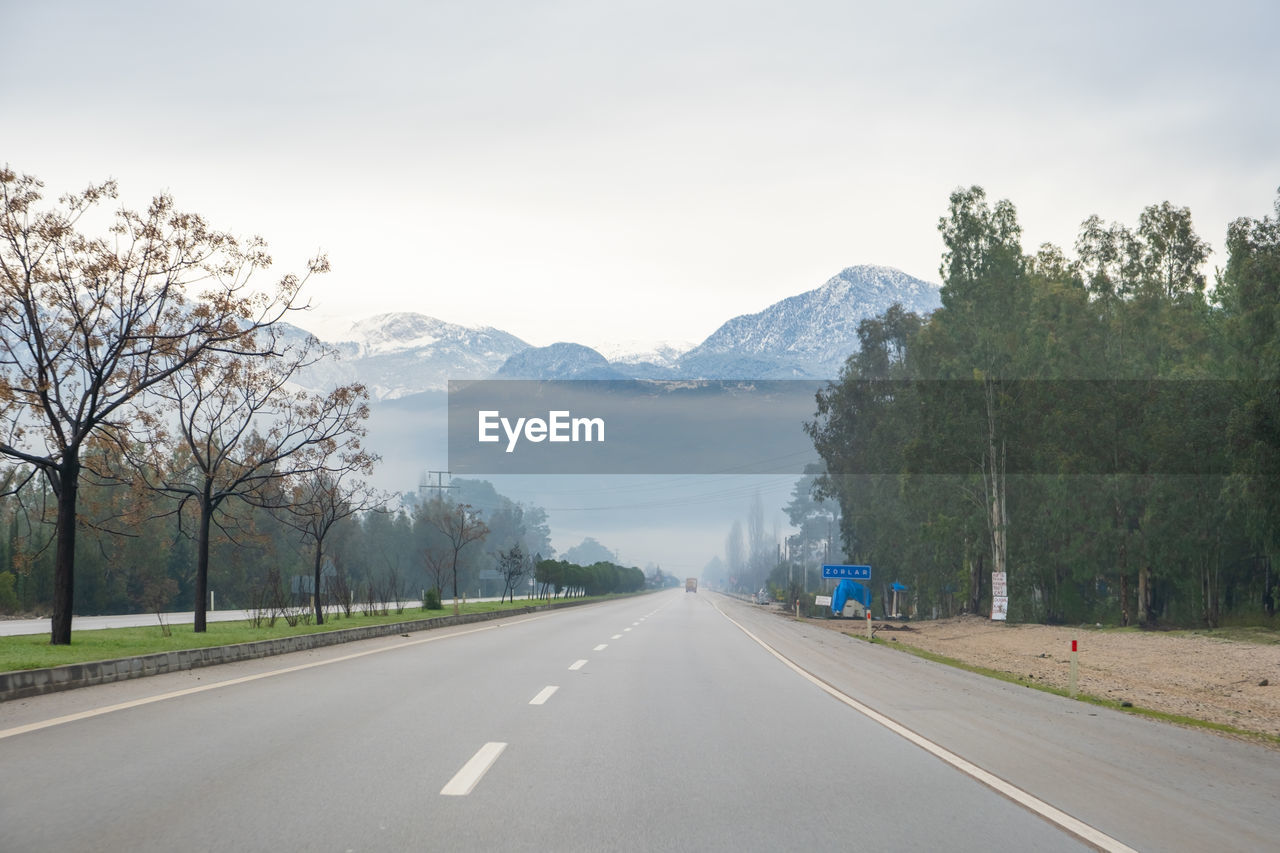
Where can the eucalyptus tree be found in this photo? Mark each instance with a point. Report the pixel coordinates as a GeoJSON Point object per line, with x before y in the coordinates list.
{"type": "Point", "coordinates": [816, 520]}
{"type": "Point", "coordinates": [1250, 294]}
{"type": "Point", "coordinates": [978, 335]}
{"type": "Point", "coordinates": [864, 427]}
{"type": "Point", "coordinates": [735, 555]}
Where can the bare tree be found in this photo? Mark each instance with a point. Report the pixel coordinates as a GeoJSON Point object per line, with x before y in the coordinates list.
{"type": "Point", "coordinates": [461, 525]}
{"type": "Point", "coordinates": [514, 564]}
{"type": "Point", "coordinates": [89, 325]}
{"type": "Point", "coordinates": [220, 405]}
{"type": "Point", "coordinates": [437, 563]}
{"type": "Point", "coordinates": [340, 592]}
{"type": "Point", "coordinates": [317, 500]}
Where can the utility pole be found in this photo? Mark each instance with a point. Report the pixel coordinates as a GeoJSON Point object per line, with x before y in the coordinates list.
{"type": "Point", "coordinates": [827, 559]}
{"type": "Point", "coordinates": [438, 487]}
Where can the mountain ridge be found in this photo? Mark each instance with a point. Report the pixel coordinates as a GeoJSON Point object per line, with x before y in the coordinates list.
{"type": "Point", "coordinates": [808, 335]}
{"type": "Point", "coordinates": [816, 331]}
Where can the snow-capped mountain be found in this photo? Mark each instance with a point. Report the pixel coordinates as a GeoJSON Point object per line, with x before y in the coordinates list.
{"type": "Point", "coordinates": [402, 331]}
{"type": "Point", "coordinates": [807, 336]}
{"type": "Point", "coordinates": [804, 336]}
{"type": "Point", "coordinates": [633, 351]}
{"type": "Point", "coordinates": [404, 353]}
{"type": "Point", "coordinates": [810, 334]}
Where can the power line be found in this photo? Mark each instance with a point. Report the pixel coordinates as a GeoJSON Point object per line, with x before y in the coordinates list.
{"type": "Point", "coordinates": [439, 486]}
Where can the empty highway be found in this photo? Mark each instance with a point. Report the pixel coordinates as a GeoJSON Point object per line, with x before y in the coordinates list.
{"type": "Point", "coordinates": [669, 721]}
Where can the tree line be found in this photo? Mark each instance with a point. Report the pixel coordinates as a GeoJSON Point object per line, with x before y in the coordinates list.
{"type": "Point", "coordinates": [151, 365]}
{"type": "Point", "coordinates": [556, 578]}
{"type": "Point", "coordinates": [157, 449]}
{"type": "Point", "coordinates": [137, 552]}
{"type": "Point", "coordinates": [1099, 425]}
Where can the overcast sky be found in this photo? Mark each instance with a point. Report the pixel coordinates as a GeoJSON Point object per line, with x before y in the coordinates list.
{"type": "Point", "coordinates": [593, 171]}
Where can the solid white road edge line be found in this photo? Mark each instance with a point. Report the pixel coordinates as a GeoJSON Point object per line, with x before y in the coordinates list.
{"type": "Point", "coordinates": [578, 664]}
{"type": "Point", "coordinates": [107, 709]}
{"type": "Point", "coordinates": [543, 695]}
{"type": "Point", "coordinates": [465, 780]}
{"type": "Point", "coordinates": [1076, 827]}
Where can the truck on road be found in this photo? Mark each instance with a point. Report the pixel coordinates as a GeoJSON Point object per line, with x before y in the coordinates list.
{"type": "Point", "coordinates": [690, 584]}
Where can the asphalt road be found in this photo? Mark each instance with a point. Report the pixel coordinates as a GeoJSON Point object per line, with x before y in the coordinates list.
{"type": "Point", "coordinates": [670, 727]}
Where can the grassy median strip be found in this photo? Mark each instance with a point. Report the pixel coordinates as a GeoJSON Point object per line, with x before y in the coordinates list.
{"type": "Point", "coordinates": [1010, 677]}
{"type": "Point", "coordinates": [33, 651]}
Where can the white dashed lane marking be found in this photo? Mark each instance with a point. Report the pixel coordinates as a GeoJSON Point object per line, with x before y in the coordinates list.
{"type": "Point", "coordinates": [578, 664]}
{"type": "Point", "coordinates": [543, 695]}
{"type": "Point", "coordinates": [466, 779]}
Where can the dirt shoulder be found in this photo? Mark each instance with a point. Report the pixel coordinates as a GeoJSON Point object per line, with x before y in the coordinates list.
{"type": "Point", "coordinates": [1189, 674]}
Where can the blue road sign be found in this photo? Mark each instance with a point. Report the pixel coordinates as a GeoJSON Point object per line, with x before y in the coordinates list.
{"type": "Point", "coordinates": [858, 573]}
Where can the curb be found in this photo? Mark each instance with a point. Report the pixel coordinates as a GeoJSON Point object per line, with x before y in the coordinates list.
{"type": "Point", "coordinates": [22, 683]}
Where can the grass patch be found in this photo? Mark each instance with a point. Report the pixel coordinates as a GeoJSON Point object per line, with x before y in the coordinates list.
{"type": "Point", "coordinates": [1177, 719]}
{"type": "Point", "coordinates": [33, 651]}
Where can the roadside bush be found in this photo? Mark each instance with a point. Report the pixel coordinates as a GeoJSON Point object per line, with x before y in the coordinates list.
{"type": "Point", "coordinates": [432, 601]}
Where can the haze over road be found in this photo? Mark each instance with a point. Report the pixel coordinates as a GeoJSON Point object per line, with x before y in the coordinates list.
{"type": "Point", "coordinates": [660, 722]}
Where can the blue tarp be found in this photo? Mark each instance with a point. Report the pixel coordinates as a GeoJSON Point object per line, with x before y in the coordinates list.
{"type": "Point", "coordinates": [848, 589]}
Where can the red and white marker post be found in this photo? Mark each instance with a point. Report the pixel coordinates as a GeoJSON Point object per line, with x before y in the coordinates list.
{"type": "Point", "coordinates": [1075, 667]}
{"type": "Point", "coordinates": [868, 623]}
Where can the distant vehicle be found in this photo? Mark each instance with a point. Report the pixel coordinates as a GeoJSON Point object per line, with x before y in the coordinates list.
{"type": "Point", "coordinates": [690, 584]}
{"type": "Point", "coordinates": [762, 597]}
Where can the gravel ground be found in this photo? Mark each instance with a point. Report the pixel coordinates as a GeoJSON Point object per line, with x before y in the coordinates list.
{"type": "Point", "coordinates": [1190, 674]}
